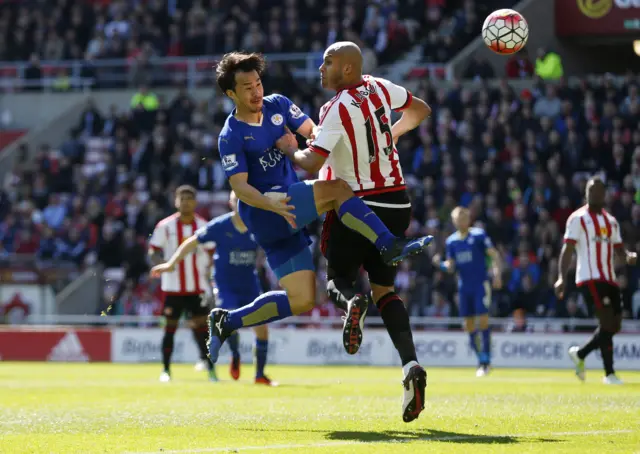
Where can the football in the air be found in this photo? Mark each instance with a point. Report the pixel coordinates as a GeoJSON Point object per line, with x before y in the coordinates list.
{"type": "Point", "coordinates": [505, 31]}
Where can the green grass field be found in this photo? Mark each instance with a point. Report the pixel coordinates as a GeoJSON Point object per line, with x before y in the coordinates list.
{"type": "Point", "coordinates": [100, 408]}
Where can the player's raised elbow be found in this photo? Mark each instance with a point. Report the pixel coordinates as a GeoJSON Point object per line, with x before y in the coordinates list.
{"type": "Point", "coordinates": [313, 161]}
{"type": "Point", "coordinates": [568, 247]}
{"type": "Point", "coordinates": [314, 166]}
{"type": "Point", "coordinates": [420, 109]}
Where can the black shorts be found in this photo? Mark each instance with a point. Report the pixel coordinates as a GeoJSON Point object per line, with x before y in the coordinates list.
{"type": "Point", "coordinates": [194, 305]}
{"type": "Point", "coordinates": [347, 251]}
{"type": "Point", "coordinates": [601, 295]}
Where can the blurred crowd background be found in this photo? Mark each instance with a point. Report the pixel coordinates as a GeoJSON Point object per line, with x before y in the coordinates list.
{"type": "Point", "coordinates": [518, 159]}
{"type": "Point", "coordinates": [47, 34]}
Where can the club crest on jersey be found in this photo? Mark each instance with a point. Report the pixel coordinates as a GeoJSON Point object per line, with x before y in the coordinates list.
{"type": "Point", "coordinates": [277, 119]}
{"type": "Point", "coordinates": [604, 232]}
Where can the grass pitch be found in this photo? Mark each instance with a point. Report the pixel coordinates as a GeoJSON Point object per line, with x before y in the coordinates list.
{"type": "Point", "coordinates": [105, 408]}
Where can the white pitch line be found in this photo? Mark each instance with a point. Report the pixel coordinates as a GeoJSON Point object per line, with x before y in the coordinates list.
{"type": "Point", "coordinates": [395, 440]}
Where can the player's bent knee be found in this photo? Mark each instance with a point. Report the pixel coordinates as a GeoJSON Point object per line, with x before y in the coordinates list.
{"type": "Point", "coordinates": [301, 290]}
{"type": "Point", "coordinates": [301, 304]}
{"type": "Point", "coordinates": [378, 291]}
{"type": "Point", "coordinates": [483, 321]}
{"type": "Point", "coordinates": [171, 326]}
{"type": "Point", "coordinates": [198, 321]}
{"type": "Point", "coordinates": [329, 195]}
{"type": "Point", "coordinates": [343, 191]}
{"type": "Point", "coordinates": [470, 324]}
{"type": "Point", "coordinates": [607, 319]}
{"type": "Point", "coordinates": [262, 332]}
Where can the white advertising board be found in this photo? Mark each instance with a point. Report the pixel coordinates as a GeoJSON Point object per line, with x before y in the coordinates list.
{"type": "Point", "coordinates": [324, 346]}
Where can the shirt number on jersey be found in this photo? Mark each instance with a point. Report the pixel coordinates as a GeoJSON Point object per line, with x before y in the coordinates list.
{"type": "Point", "coordinates": [383, 123]}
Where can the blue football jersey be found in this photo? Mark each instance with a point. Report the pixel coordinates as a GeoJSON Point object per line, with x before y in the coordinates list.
{"type": "Point", "coordinates": [234, 260]}
{"type": "Point", "coordinates": [470, 256]}
{"type": "Point", "coordinates": [250, 148]}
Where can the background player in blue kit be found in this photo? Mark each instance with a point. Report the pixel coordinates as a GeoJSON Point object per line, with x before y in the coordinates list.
{"type": "Point", "coordinates": [265, 182]}
{"type": "Point", "coordinates": [234, 276]}
{"type": "Point", "coordinates": [466, 253]}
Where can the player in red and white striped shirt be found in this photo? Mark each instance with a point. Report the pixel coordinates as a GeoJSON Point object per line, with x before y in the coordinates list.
{"type": "Point", "coordinates": [355, 142]}
{"type": "Point", "coordinates": [187, 288]}
{"type": "Point", "coordinates": [595, 236]}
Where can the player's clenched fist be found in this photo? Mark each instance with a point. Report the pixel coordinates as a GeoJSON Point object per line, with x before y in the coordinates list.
{"type": "Point", "coordinates": [288, 143]}
{"type": "Point", "coordinates": [158, 270]}
{"type": "Point", "coordinates": [558, 287]}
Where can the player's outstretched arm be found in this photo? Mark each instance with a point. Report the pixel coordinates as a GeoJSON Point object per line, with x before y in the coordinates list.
{"type": "Point", "coordinates": [496, 265]}
{"type": "Point", "coordinates": [448, 266]}
{"type": "Point", "coordinates": [307, 129]}
{"type": "Point", "coordinates": [412, 116]}
{"type": "Point", "coordinates": [251, 196]}
{"type": "Point", "coordinates": [625, 256]}
{"type": "Point", "coordinates": [566, 254]}
{"type": "Point", "coordinates": [186, 248]}
{"type": "Point", "coordinates": [305, 159]}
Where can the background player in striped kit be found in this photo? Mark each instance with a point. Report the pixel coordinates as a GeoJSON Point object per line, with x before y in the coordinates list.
{"type": "Point", "coordinates": [234, 276]}
{"type": "Point", "coordinates": [186, 289]}
{"type": "Point", "coordinates": [594, 235]}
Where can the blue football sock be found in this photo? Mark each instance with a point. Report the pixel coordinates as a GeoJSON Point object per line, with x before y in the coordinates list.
{"type": "Point", "coordinates": [262, 348]}
{"type": "Point", "coordinates": [357, 216]}
{"type": "Point", "coordinates": [266, 308]}
{"type": "Point", "coordinates": [486, 346]}
{"type": "Point", "coordinates": [234, 344]}
{"type": "Point", "coordinates": [473, 343]}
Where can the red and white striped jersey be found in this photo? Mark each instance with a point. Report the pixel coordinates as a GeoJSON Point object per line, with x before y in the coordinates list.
{"type": "Point", "coordinates": [595, 235]}
{"type": "Point", "coordinates": [354, 134]}
{"type": "Point", "coordinates": [190, 276]}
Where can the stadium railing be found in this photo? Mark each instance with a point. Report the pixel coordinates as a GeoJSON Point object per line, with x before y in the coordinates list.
{"type": "Point", "coordinates": [155, 71]}
{"type": "Point", "coordinates": [441, 323]}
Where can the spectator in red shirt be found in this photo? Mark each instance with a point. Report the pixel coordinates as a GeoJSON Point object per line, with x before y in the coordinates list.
{"type": "Point", "coordinates": [26, 243]}
{"type": "Point", "coordinates": [519, 66]}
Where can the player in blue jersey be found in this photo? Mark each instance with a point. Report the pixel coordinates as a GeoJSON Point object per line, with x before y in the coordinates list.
{"type": "Point", "coordinates": [275, 205]}
{"type": "Point", "coordinates": [466, 253]}
{"type": "Point", "coordinates": [234, 276]}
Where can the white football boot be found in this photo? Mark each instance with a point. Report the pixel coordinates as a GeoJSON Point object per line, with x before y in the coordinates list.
{"type": "Point", "coordinates": [580, 371]}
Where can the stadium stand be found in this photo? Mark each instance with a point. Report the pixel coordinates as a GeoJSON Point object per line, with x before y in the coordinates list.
{"type": "Point", "coordinates": [518, 160]}
{"type": "Point", "coordinates": [74, 43]}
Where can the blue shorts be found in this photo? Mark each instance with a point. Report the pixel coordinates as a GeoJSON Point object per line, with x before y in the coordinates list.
{"type": "Point", "coordinates": [474, 302]}
{"type": "Point", "coordinates": [286, 248]}
{"type": "Point", "coordinates": [231, 301]}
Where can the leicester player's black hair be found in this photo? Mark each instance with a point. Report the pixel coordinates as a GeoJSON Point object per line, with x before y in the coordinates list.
{"type": "Point", "coordinates": [233, 62]}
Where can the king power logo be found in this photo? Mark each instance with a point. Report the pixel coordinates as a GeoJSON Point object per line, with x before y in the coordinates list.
{"type": "Point", "coordinates": [69, 348]}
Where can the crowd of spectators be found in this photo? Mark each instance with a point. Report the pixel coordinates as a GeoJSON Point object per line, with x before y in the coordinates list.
{"type": "Point", "coordinates": [86, 32]}
{"type": "Point", "coordinates": [451, 25]}
{"type": "Point", "coordinates": [519, 161]}
{"type": "Point", "coordinates": [547, 66]}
